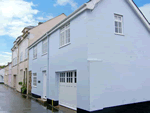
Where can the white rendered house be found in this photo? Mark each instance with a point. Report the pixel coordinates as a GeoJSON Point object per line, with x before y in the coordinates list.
{"type": "Point", "coordinates": [96, 59]}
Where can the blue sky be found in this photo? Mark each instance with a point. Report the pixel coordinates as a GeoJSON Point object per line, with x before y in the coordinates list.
{"type": "Point", "coordinates": [16, 14]}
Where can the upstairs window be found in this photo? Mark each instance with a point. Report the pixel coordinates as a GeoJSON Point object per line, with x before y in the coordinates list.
{"type": "Point", "coordinates": [118, 24]}
{"type": "Point", "coordinates": [14, 61]}
{"type": "Point", "coordinates": [44, 46]}
{"type": "Point", "coordinates": [26, 53]}
{"type": "Point", "coordinates": [21, 56]}
{"type": "Point", "coordinates": [34, 52]}
{"type": "Point", "coordinates": [65, 35]}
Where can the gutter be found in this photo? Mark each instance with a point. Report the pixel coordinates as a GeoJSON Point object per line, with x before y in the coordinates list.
{"type": "Point", "coordinates": [47, 82]}
{"type": "Point", "coordinates": [139, 13]}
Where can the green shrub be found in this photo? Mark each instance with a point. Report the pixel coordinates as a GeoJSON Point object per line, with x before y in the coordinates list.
{"type": "Point", "coordinates": [20, 83]}
{"type": "Point", "coordinates": [23, 89]}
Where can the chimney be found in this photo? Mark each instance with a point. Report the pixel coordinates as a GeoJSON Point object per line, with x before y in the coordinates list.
{"type": "Point", "coordinates": [40, 23]}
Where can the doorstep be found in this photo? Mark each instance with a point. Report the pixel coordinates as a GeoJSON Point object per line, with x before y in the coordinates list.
{"type": "Point", "coordinates": [65, 109]}
{"type": "Point", "coordinates": [41, 100]}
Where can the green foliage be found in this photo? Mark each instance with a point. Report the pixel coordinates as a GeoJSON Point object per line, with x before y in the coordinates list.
{"type": "Point", "coordinates": [23, 89]}
{"type": "Point", "coordinates": [20, 83]}
{"type": "Point", "coordinates": [1, 67]}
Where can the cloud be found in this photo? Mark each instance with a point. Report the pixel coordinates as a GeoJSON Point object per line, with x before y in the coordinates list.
{"type": "Point", "coordinates": [65, 2]}
{"type": "Point", "coordinates": [146, 11]}
{"type": "Point", "coordinates": [7, 53]}
{"type": "Point", "coordinates": [45, 18]}
{"type": "Point", "coordinates": [4, 59]}
{"type": "Point", "coordinates": [15, 15]}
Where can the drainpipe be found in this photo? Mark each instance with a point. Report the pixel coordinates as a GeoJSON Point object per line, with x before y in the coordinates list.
{"type": "Point", "coordinates": [47, 66]}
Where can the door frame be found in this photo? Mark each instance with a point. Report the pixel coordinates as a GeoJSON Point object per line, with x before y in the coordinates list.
{"type": "Point", "coordinates": [44, 84]}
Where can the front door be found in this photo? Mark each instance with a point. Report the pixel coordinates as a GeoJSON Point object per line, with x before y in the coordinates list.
{"type": "Point", "coordinates": [44, 84]}
{"type": "Point", "coordinates": [30, 80]}
{"type": "Point", "coordinates": [14, 81]}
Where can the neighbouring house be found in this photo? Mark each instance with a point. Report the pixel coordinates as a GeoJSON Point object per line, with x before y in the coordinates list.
{"type": "Point", "coordinates": [9, 74]}
{"type": "Point", "coordinates": [6, 75]}
{"type": "Point", "coordinates": [22, 65]}
{"type": "Point", "coordinates": [15, 52]}
{"type": "Point", "coordinates": [19, 60]}
{"type": "Point", "coordinates": [2, 71]}
{"type": "Point", "coordinates": [39, 59]}
{"type": "Point", "coordinates": [96, 60]}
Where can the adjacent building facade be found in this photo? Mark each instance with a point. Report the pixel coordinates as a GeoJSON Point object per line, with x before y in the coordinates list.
{"type": "Point", "coordinates": [6, 75]}
{"type": "Point", "coordinates": [37, 57]}
{"type": "Point", "coordinates": [2, 72]}
{"type": "Point", "coordinates": [94, 59]}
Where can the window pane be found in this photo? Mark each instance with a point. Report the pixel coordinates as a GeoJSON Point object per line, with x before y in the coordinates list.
{"type": "Point", "coordinates": [71, 80]}
{"type": "Point", "coordinates": [75, 74]}
{"type": "Point", "coordinates": [68, 35]}
{"type": "Point", "coordinates": [116, 17]}
{"type": "Point", "coordinates": [67, 80]}
{"type": "Point", "coordinates": [67, 74]}
{"type": "Point", "coordinates": [120, 24]}
{"type": "Point", "coordinates": [116, 24]}
{"type": "Point", "coordinates": [71, 74]}
{"type": "Point", "coordinates": [119, 18]}
{"type": "Point", "coordinates": [116, 30]}
{"type": "Point", "coordinates": [120, 30]}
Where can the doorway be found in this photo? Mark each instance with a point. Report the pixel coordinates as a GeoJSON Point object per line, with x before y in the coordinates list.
{"type": "Point", "coordinates": [15, 81]}
{"type": "Point", "coordinates": [44, 84]}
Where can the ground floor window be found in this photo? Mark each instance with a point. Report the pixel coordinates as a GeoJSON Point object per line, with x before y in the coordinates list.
{"type": "Point", "coordinates": [34, 79]}
{"type": "Point", "coordinates": [68, 77]}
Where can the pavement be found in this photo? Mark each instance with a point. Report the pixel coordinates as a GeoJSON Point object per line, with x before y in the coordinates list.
{"type": "Point", "coordinates": [14, 102]}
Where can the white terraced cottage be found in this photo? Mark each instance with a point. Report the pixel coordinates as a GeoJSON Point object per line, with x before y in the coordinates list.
{"type": "Point", "coordinates": [98, 59]}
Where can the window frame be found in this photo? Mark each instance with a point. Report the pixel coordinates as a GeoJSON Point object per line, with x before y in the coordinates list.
{"type": "Point", "coordinates": [21, 56]}
{"type": "Point", "coordinates": [26, 53]}
{"type": "Point", "coordinates": [118, 21]}
{"type": "Point", "coordinates": [34, 76]}
{"type": "Point", "coordinates": [45, 41]}
{"type": "Point", "coordinates": [35, 52]}
{"type": "Point", "coordinates": [64, 35]}
{"type": "Point", "coordinates": [68, 77]}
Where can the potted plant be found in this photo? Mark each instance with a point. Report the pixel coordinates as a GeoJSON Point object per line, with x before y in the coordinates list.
{"type": "Point", "coordinates": [24, 89]}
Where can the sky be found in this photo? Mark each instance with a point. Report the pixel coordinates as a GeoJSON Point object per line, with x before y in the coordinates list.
{"type": "Point", "coordinates": [17, 14]}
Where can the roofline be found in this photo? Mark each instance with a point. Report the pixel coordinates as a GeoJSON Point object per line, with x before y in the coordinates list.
{"type": "Point", "coordinates": [139, 13]}
{"type": "Point", "coordinates": [81, 8]}
{"type": "Point", "coordinates": [47, 21]}
{"type": "Point", "coordinates": [89, 5]}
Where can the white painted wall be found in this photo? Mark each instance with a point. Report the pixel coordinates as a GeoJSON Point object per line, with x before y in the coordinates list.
{"type": "Point", "coordinates": [71, 57]}
{"type": "Point", "coordinates": [123, 75]}
{"type": "Point", "coordinates": [37, 66]}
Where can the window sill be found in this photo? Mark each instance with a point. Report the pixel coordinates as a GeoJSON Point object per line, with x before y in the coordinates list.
{"type": "Point", "coordinates": [44, 54]}
{"type": "Point", "coordinates": [34, 86]}
{"type": "Point", "coordinates": [26, 59]}
{"type": "Point", "coordinates": [64, 45]}
{"type": "Point", "coordinates": [119, 34]}
{"type": "Point", "coordinates": [34, 58]}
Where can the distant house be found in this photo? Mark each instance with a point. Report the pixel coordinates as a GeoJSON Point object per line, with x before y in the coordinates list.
{"type": "Point", "coordinates": [9, 74]}
{"type": "Point", "coordinates": [6, 75]}
{"type": "Point", "coordinates": [2, 76]}
{"type": "Point", "coordinates": [95, 59]}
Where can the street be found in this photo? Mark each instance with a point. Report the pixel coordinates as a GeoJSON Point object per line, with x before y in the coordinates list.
{"type": "Point", "coordinates": [14, 102]}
